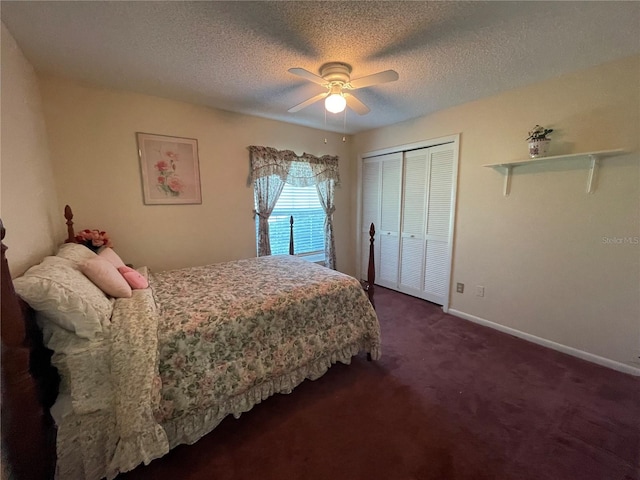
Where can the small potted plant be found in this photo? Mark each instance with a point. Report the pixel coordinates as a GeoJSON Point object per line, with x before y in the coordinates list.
{"type": "Point", "coordinates": [538, 141]}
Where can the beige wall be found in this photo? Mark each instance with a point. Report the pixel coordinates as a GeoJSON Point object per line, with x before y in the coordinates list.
{"type": "Point", "coordinates": [540, 252]}
{"type": "Point", "coordinates": [94, 152]}
{"type": "Point", "coordinates": [29, 205]}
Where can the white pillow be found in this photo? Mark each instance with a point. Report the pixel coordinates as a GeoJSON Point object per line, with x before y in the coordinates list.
{"type": "Point", "coordinates": [111, 256]}
{"type": "Point", "coordinates": [106, 277]}
{"type": "Point", "coordinates": [75, 252]}
{"type": "Point", "coordinates": [63, 295]}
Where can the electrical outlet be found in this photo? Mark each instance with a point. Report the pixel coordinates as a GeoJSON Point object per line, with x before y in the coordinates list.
{"type": "Point", "coordinates": [460, 287]}
{"type": "Point", "coordinates": [479, 291]}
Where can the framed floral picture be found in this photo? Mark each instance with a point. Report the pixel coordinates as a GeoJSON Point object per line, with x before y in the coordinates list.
{"type": "Point", "coordinates": [170, 169]}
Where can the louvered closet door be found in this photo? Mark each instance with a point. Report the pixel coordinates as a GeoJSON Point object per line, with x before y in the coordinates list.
{"type": "Point", "coordinates": [371, 178]}
{"type": "Point", "coordinates": [413, 223]}
{"type": "Point", "coordinates": [438, 217]}
{"type": "Point", "coordinates": [389, 238]}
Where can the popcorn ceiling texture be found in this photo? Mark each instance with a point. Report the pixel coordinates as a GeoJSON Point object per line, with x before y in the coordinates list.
{"type": "Point", "coordinates": [235, 55]}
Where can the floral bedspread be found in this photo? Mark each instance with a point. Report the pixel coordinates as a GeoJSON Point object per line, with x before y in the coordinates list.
{"type": "Point", "coordinates": [200, 344]}
{"type": "Point", "coordinates": [243, 330]}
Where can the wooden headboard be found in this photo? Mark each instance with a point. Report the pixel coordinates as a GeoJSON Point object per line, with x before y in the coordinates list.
{"type": "Point", "coordinates": [29, 387]}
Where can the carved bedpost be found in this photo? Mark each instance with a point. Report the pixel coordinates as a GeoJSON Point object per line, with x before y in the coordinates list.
{"type": "Point", "coordinates": [12, 332]}
{"type": "Point", "coordinates": [371, 272]}
{"type": "Point", "coordinates": [68, 214]}
{"type": "Point", "coordinates": [27, 431]}
{"type": "Point", "coordinates": [291, 235]}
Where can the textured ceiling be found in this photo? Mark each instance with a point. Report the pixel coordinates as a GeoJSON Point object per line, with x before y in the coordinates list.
{"type": "Point", "coordinates": [235, 55]}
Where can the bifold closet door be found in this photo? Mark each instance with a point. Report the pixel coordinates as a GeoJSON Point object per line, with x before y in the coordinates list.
{"type": "Point", "coordinates": [426, 213]}
{"type": "Point", "coordinates": [409, 197]}
{"type": "Point", "coordinates": [387, 273]}
{"type": "Point", "coordinates": [381, 198]}
{"type": "Point", "coordinates": [412, 241]}
{"type": "Point", "coordinates": [371, 177]}
{"type": "Point", "coordinates": [437, 262]}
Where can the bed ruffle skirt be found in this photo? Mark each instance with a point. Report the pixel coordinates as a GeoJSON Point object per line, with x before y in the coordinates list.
{"type": "Point", "coordinates": [191, 428]}
{"type": "Point", "coordinates": [85, 442]}
{"type": "Point", "coordinates": [90, 447]}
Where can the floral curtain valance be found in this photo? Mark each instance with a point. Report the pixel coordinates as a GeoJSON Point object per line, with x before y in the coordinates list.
{"type": "Point", "coordinates": [301, 171]}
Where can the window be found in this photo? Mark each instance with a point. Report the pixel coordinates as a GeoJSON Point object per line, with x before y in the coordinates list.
{"type": "Point", "coordinates": [271, 171]}
{"type": "Point", "coordinates": [308, 228]}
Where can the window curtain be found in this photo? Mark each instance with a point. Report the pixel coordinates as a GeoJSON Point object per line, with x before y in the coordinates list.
{"type": "Point", "coordinates": [284, 166]}
{"type": "Point", "coordinates": [325, 193]}
{"type": "Point", "coordinates": [266, 193]}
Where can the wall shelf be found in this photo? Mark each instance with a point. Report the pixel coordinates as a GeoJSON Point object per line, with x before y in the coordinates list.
{"type": "Point", "coordinates": [594, 158]}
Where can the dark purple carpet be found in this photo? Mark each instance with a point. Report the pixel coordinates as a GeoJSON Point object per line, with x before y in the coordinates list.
{"type": "Point", "coordinates": [448, 400]}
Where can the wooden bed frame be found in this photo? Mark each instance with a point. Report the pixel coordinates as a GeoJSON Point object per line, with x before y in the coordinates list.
{"type": "Point", "coordinates": [30, 382]}
{"type": "Point", "coordinates": [29, 388]}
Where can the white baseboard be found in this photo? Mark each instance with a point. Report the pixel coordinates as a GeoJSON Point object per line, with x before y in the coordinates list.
{"type": "Point", "coordinates": [590, 357]}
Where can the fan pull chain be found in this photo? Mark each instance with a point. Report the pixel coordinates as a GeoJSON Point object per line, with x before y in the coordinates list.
{"type": "Point", "coordinates": [344, 127]}
{"type": "Point", "coordinates": [325, 124]}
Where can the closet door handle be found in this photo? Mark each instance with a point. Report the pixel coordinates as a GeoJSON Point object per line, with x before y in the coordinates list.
{"type": "Point", "coordinates": [412, 236]}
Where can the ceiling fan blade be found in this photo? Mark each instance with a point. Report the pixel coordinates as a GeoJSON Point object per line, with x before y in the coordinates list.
{"type": "Point", "coordinates": [356, 105]}
{"type": "Point", "coordinates": [376, 78]}
{"type": "Point", "coordinates": [307, 75]}
{"type": "Point", "coordinates": [308, 102]}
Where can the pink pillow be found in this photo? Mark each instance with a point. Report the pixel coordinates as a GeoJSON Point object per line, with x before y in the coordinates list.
{"type": "Point", "coordinates": [112, 257]}
{"type": "Point", "coordinates": [106, 277]}
{"type": "Point", "coordinates": [133, 278]}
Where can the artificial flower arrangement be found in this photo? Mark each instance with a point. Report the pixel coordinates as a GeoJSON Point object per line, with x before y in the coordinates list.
{"type": "Point", "coordinates": [539, 133]}
{"type": "Point", "coordinates": [93, 239]}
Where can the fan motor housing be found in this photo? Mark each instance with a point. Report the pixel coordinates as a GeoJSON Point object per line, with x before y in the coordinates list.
{"type": "Point", "coordinates": [336, 72]}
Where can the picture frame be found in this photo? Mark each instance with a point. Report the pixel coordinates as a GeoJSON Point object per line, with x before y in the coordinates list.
{"type": "Point", "coordinates": [170, 169]}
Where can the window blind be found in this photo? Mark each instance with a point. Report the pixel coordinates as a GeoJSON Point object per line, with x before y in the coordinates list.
{"type": "Point", "coordinates": [308, 218]}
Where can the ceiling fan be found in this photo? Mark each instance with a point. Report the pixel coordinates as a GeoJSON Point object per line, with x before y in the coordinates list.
{"type": "Point", "coordinates": [335, 76]}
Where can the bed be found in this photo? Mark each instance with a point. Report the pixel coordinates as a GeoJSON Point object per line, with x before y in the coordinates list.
{"type": "Point", "coordinates": [166, 365]}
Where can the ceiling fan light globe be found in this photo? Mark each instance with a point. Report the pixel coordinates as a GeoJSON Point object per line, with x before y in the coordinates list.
{"type": "Point", "coordinates": [335, 103]}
